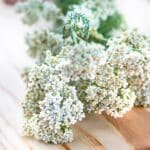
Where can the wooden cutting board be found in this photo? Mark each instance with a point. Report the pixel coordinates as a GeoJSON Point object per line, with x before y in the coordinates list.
{"type": "Point", "coordinates": [96, 132]}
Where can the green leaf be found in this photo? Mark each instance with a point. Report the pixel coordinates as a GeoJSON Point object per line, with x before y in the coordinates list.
{"type": "Point", "coordinates": [65, 4]}
{"type": "Point", "coordinates": [113, 22]}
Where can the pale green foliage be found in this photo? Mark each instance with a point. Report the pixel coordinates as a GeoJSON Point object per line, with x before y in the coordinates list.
{"type": "Point", "coordinates": [77, 26]}
{"type": "Point", "coordinates": [95, 11]}
{"type": "Point", "coordinates": [114, 23]}
{"type": "Point", "coordinates": [90, 15]}
{"type": "Point", "coordinates": [66, 5]}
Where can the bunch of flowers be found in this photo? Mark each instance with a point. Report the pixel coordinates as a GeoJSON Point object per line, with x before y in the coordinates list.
{"type": "Point", "coordinates": [44, 40]}
{"type": "Point", "coordinates": [85, 62]}
{"type": "Point", "coordinates": [130, 51]}
{"type": "Point", "coordinates": [51, 106]}
{"type": "Point", "coordinates": [110, 92]}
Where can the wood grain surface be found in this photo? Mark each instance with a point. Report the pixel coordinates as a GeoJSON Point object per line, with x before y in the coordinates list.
{"type": "Point", "coordinates": [96, 132]}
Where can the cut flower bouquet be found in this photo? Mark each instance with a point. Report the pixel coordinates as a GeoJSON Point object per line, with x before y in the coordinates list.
{"type": "Point", "coordinates": [87, 60]}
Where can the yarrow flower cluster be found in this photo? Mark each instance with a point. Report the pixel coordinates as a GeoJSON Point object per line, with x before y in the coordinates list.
{"type": "Point", "coordinates": [131, 53]}
{"type": "Point", "coordinates": [85, 63]}
{"type": "Point", "coordinates": [51, 106]}
{"type": "Point", "coordinates": [34, 10]}
{"type": "Point", "coordinates": [96, 11]}
{"type": "Point", "coordinates": [82, 60]}
{"type": "Point", "coordinates": [45, 40]}
{"type": "Point", "coordinates": [110, 92]}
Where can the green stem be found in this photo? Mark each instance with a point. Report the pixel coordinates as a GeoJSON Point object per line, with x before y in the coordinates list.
{"type": "Point", "coordinates": [74, 36]}
{"type": "Point", "coordinates": [97, 37]}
